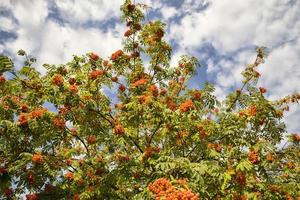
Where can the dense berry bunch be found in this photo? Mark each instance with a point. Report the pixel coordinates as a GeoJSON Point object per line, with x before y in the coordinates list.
{"type": "Point", "coordinates": [186, 106]}
{"type": "Point", "coordinates": [162, 188]}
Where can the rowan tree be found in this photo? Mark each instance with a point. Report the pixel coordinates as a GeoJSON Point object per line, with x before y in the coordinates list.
{"type": "Point", "coordinates": [155, 138]}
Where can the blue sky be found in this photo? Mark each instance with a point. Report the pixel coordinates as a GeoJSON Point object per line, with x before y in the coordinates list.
{"type": "Point", "coordinates": [222, 34]}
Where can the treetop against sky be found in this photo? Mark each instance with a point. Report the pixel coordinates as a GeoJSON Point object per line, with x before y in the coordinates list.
{"type": "Point", "coordinates": [222, 34]}
{"type": "Point", "coordinates": [138, 120]}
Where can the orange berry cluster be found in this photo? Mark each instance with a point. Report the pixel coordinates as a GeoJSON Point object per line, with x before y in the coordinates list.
{"type": "Point", "coordinates": [2, 79]}
{"type": "Point", "coordinates": [239, 197]}
{"type": "Point", "coordinates": [262, 90]}
{"type": "Point", "coordinates": [163, 189]}
{"type": "Point", "coordinates": [171, 104]}
{"type": "Point", "coordinates": [116, 55]}
{"type": "Point", "coordinates": [114, 79]}
{"type": "Point", "coordinates": [150, 151]}
{"type": "Point", "coordinates": [296, 137]}
{"type": "Point", "coordinates": [123, 158]}
{"type": "Point", "coordinates": [253, 157]}
{"type": "Point", "coordinates": [8, 192]}
{"type": "Point", "coordinates": [128, 33]}
{"type": "Point", "coordinates": [3, 170]}
{"type": "Point", "coordinates": [37, 112]}
{"type": "Point", "coordinates": [32, 197]}
{"type": "Point", "coordinates": [251, 111]}
{"type": "Point", "coordinates": [186, 106]}
{"type": "Point", "coordinates": [154, 90]}
{"type": "Point", "coordinates": [95, 74]}
{"type": "Point", "coordinates": [217, 147]}
{"type": "Point", "coordinates": [37, 158]}
{"type": "Point", "coordinates": [24, 107]}
{"type": "Point", "coordinates": [291, 165]}
{"type": "Point", "coordinates": [91, 139]}
{"type": "Point", "coordinates": [240, 178]}
{"type": "Point", "coordinates": [64, 110]}
{"type": "Point", "coordinates": [144, 98]}
{"type": "Point", "coordinates": [122, 88]}
{"type": "Point", "coordinates": [60, 123]}
{"type": "Point", "coordinates": [197, 95]}
{"type": "Point", "coordinates": [270, 157]}
{"type": "Point", "coordinates": [119, 129]}
{"type": "Point", "coordinates": [30, 178]}
{"type": "Point", "coordinates": [58, 80]}
{"type": "Point", "coordinates": [140, 82]}
{"type": "Point", "coordinates": [94, 56]}
{"type": "Point", "coordinates": [24, 117]}
{"type": "Point", "coordinates": [69, 176]}
{"type": "Point", "coordinates": [73, 88]}
{"type": "Point", "coordinates": [201, 132]}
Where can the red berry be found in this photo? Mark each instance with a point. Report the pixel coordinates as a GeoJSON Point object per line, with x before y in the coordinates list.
{"type": "Point", "coordinates": [69, 176]}
{"type": "Point", "coordinates": [2, 79]}
{"type": "Point", "coordinates": [8, 192]}
{"type": "Point", "coordinates": [32, 197]}
{"type": "Point", "coordinates": [94, 56]}
{"type": "Point", "coordinates": [114, 79]}
{"type": "Point", "coordinates": [262, 90]}
{"type": "Point", "coordinates": [37, 158]}
{"type": "Point", "coordinates": [91, 139]}
{"type": "Point", "coordinates": [128, 33]}
{"type": "Point", "coordinates": [58, 80]}
{"type": "Point", "coordinates": [122, 88]}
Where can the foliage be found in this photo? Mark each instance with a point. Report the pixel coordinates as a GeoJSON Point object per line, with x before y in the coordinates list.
{"type": "Point", "coordinates": [160, 140]}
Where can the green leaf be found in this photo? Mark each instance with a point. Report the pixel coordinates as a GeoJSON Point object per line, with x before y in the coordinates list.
{"type": "Point", "coordinates": [5, 64]}
{"type": "Point", "coordinates": [244, 165]}
{"type": "Point", "coordinates": [21, 52]}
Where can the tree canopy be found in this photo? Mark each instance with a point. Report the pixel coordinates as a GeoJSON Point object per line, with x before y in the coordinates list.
{"type": "Point", "coordinates": [151, 137]}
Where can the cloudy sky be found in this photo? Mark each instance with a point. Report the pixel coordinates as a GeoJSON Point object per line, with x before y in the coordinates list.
{"type": "Point", "coordinates": [222, 34]}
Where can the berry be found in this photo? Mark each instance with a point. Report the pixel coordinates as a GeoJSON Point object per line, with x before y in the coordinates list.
{"type": "Point", "coordinates": [69, 176]}
{"type": "Point", "coordinates": [95, 74]}
{"type": "Point", "coordinates": [114, 79]}
{"type": "Point", "coordinates": [37, 158]}
{"type": "Point", "coordinates": [128, 33]}
{"type": "Point", "coordinates": [253, 157]}
{"type": "Point", "coordinates": [122, 88]}
{"type": "Point", "coordinates": [130, 7]}
{"type": "Point", "coordinates": [58, 80]}
{"type": "Point", "coordinates": [94, 56]}
{"type": "Point", "coordinates": [262, 90]}
{"type": "Point", "coordinates": [91, 139]}
{"type": "Point", "coordinates": [139, 82]}
{"type": "Point", "coordinates": [186, 106]}
{"type": "Point", "coordinates": [119, 129]}
{"type": "Point", "coordinates": [2, 79]}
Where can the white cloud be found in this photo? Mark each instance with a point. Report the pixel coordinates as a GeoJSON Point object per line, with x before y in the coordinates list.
{"type": "Point", "coordinates": [192, 5]}
{"type": "Point", "coordinates": [61, 42]}
{"type": "Point", "coordinates": [232, 27]}
{"type": "Point", "coordinates": [78, 11]}
{"type": "Point", "coordinates": [7, 24]}
{"type": "Point", "coordinates": [168, 12]}
{"type": "Point", "coordinates": [292, 119]}
{"type": "Point", "coordinates": [31, 13]}
{"type": "Point", "coordinates": [30, 25]}
{"type": "Point", "coordinates": [55, 43]}
{"type": "Point", "coordinates": [280, 72]}
{"type": "Point", "coordinates": [229, 26]}
{"type": "Point", "coordinates": [6, 4]}
{"type": "Point", "coordinates": [1, 48]}
{"type": "Point", "coordinates": [175, 58]}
